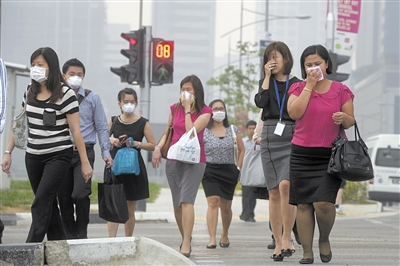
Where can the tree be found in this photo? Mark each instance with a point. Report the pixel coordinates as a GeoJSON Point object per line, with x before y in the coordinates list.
{"type": "Point", "coordinates": [237, 85]}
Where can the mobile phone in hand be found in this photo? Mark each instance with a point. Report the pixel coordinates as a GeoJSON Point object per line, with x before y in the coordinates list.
{"type": "Point", "coordinates": [122, 138]}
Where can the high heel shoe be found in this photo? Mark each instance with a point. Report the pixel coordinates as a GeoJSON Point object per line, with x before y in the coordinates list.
{"type": "Point", "coordinates": [306, 261]}
{"type": "Point", "coordinates": [326, 258]}
{"type": "Point", "coordinates": [287, 252]}
{"type": "Point", "coordinates": [223, 245]}
{"type": "Point", "coordinates": [187, 255]}
{"type": "Point", "coordinates": [277, 257]}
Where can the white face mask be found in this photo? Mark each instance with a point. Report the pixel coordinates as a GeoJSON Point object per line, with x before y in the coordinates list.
{"type": "Point", "coordinates": [188, 95]}
{"type": "Point", "coordinates": [38, 73]}
{"type": "Point", "coordinates": [128, 108]}
{"type": "Point", "coordinates": [218, 116]}
{"type": "Point", "coordinates": [74, 82]}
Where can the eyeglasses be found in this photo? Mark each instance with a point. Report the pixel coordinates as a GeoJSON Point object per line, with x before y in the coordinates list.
{"type": "Point", "coordinates": [216, 109]}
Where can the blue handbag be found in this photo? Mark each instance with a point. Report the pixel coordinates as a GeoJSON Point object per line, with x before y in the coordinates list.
{"type": "Point", "coordinates": [126, 161]}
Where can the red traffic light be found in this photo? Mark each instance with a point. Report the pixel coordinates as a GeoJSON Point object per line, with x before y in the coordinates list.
{"type": "Point", "coordinates": [164, 49]}
{"type": "Point", "coordinates": [132, 41]}
{"type": "Point", "coordinates": [131, 37]}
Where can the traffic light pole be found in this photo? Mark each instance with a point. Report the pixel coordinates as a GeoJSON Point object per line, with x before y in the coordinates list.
{"type": "Point", "coordinates": [146, 85]}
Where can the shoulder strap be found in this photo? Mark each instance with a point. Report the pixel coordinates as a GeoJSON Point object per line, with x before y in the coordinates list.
{"type": "Point", "coordinates": [174, 113]}
{"type": "Point", "coordinates": [80, 98]}
{"type": "Point", "coordinates": [113, 119]}
{"type": "Point", "coordinates": [233, 134]}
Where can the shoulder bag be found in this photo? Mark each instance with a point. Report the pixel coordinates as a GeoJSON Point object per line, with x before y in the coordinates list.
{"type": "Point", "coordinates": [168, 134]}
{"type": "Point", "coordinates": [235, 147]}
{"type": "Point", "coordinates": [350, 159]}
{"type": "Point", "coordinates": [21, 129]}
{"type": "Point", "coordinates": [252, 174]}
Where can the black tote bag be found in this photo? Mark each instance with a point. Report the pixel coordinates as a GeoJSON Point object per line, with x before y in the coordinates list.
{"type": "Point", "coordinates": [112, 201]}
{"type": "Point", "coordinates": [350, 159]}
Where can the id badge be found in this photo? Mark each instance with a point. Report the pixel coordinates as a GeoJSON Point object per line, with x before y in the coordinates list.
{"type": "Point", "coordinates": [280, 126]}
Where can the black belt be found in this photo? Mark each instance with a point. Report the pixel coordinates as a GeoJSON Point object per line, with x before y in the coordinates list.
{"type": "Point", "coordinates": [87, 146]}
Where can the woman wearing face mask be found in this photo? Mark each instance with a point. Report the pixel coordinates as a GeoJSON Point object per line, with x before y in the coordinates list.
{"type": "Point", "coordinates": [184, 178]}
{"type": "Point", "coordinates": [221, 174]}
{"type": "Point", "coordinates": [312, 189]}
{"type": "Point", "coordinates": [52, 110]}
{"type": "Point", "coordinates": [276, 145]}
{"type": "Point", "coordinates": [136, 187]}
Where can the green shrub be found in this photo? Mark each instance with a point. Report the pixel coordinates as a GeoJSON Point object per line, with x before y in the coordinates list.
{"type": "Point", "coordinates": [20, 195]}
{"type": "Point", "coordinates": [355, 192]}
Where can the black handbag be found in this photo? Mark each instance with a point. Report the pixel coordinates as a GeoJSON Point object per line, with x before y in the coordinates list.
{"type": "Point", "coordinates": [350, 159]}
{"type": "Point", "coordinates": [112, 201]}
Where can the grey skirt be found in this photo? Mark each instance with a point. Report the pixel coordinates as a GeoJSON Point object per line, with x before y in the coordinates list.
{"type": "Point", "coordinates": [184, 180]}
{"type": "Point", "coordinates": [275, 152]}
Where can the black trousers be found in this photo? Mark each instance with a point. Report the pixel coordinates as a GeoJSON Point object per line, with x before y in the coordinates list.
{"type": "Point", "coordinates": [248, 202]}
{"type": "Point", "coordinates": [74, 191]}
{"type": "Point", "coordinates": [46, 173]}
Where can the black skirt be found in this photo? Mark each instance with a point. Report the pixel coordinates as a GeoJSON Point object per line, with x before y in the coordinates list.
{"type": "Point", "coordinates": [309, 181]}
{"type": "Point", "coordinates": [220, 180]}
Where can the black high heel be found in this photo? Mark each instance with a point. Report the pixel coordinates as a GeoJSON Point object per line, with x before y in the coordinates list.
{"type": "Point", "coordinates": [287, 252]}
{"type": "Point", "coordinates": [306, 261]}
{"type": "Point", "coordinates": [277, 257]}
{"type": "Point", "coordinates": [187, 255]}
{"type": "Point", "coordinates": [223, 245]}
{"type": "Point", "coordinates": [326, 258]}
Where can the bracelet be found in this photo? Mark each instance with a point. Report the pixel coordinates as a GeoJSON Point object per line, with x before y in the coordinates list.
{"type": "Point", "coordinates": [238, 168]}
{"type": "Point", "coordinates": [188, 113]}
{"type": "Point", "coordinates": [7, 152]}
{"type": "Point", "coordinates": [306, 89]}
{"type": "Point", "coordinates": [138, 145]}
{"type": "Point", "coordinates": [157, 147]}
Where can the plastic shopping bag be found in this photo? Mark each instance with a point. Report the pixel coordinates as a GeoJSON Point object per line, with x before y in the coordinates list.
{"type": "Point", "coordinates": [187, 149]}
{"type": "Point", "coordinates": [126, 161]}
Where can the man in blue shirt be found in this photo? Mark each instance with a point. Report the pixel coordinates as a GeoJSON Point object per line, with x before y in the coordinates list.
{"type": "Point", "coordinates": [248, 199]}
{"type": "Point", "coordinates": [74, 190]}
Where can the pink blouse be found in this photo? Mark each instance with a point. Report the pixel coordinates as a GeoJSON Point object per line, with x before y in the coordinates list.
{"type": "Point", "coordinates": [180, 128]}
{"type": "Point", "coordinates": [316, 127]}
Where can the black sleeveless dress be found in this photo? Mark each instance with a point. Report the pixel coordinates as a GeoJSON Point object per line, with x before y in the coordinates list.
{"type": "Point", "coordinates": [136, 187]}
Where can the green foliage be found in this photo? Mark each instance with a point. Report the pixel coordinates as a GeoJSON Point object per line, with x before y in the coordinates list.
{"type": "Point", "coordinates": [20, 194]}
{"type": "Point", "coordinates": [238, 84]}
{"type": "Point", "coordinates": [355, 192]}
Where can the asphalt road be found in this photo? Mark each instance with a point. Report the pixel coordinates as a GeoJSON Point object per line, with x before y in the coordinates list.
{"type": "Point", "coordinates": [370, 239]}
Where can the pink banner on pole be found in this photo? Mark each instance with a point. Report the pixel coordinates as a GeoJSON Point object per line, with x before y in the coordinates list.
{"type": "Point", "coordinates": [348, 15]}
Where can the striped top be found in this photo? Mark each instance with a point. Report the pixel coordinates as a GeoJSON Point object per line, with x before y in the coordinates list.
{"type": "Point", "coordinates": [54, 136]}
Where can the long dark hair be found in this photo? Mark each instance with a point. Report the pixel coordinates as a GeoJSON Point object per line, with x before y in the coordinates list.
{"type": "Point", "coordinates": [225, 122]}
{"type": "Point", "coordinates": [54, 80]}
{"type": "Point", "coordinates": [198, 89]}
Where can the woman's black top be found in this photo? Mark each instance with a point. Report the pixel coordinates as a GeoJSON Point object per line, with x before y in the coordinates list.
{"type": "Point", "coordinates": [266, 99]}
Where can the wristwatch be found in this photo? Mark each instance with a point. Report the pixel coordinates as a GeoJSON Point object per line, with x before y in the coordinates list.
{"type": "Point", "coordinates": [7, 152]}
{"type": "Point", "coordinates": [138, 145]}
{"type": "Point", "coordinates": [188, 113]}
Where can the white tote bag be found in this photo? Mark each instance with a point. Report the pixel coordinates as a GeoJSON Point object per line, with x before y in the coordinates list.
{"type": "Point", "coordinates": [252, 174]}
{"type": "Point", "coordinates": [187, 149]}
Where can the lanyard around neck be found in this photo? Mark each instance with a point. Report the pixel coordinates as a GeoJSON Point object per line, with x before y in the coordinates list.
{"type": "Point", "coordinates": [281, 104]}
